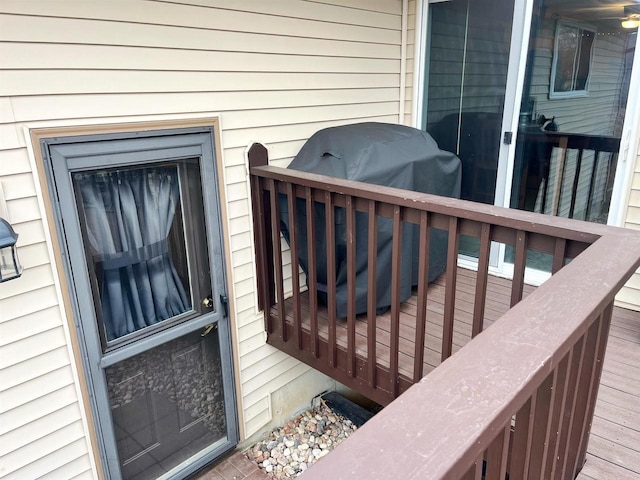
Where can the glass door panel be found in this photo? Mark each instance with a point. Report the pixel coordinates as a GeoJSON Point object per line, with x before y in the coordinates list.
{"type": "Point", "coordinates": [572, 111]}
{"type": "Point", "coordinates": [467, 62]}
{"type": "Point", "coordinates": [144, 272]}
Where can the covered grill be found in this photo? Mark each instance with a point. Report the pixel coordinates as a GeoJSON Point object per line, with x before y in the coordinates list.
{"type": "Point", "coordinates": [382, 154]}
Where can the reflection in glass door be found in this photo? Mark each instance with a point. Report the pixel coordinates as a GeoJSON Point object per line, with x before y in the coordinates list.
{"type": "Point", "coordinates": [572, 110]}
{"type": "Point", "coordinates": [467, 62]}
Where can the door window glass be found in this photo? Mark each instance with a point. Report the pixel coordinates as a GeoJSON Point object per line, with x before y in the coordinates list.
{"type": "Point", "coordinates": [138, 257]}
{"type": "Point", "coordinates": [467, 63]}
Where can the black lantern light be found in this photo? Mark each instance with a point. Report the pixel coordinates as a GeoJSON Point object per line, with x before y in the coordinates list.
{"type": "Point", "coordinates": [10, 267]}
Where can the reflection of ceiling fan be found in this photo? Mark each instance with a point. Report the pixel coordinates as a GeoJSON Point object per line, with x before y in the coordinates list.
{"type": "Point", "coordinates": [627, 12]}
{"type": "Point", "coordinates": [632, 16]}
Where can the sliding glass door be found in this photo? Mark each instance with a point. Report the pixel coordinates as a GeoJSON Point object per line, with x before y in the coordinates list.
{"type": "Point", "coordinates": [532, 96]}
{"type": "Point", "coordinates": [468, 46]}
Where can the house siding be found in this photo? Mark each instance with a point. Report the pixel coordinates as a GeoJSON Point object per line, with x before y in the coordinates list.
{"type": "Point", "coordinates": [274, 72]}
{"type": "Point", "coordinates": [412, 6]}
{"type": "Point", "coordinates": [629, 296]}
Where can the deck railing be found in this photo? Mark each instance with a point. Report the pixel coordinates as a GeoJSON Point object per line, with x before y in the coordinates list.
{"type": "Point", "coordinates": [575, 171]}
{"type": "Point", "coordinates": [518, 398]}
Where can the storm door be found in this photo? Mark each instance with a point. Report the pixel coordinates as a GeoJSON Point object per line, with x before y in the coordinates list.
{"type": "Point", "coordinates": [140, 222]}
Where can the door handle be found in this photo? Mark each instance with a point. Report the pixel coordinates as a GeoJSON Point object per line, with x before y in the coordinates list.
{"type": "Point", "coordinates": [208, 329]}
{"type": "Point", "coordinates": [208, 302]}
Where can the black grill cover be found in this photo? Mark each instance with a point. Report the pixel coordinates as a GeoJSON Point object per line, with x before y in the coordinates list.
{"type": "Point", "coordinates": [382, 154]}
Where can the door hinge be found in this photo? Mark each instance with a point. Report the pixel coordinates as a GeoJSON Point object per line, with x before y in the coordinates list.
{"type": "Point", "coordinates": [224, 300]}
{"type": "Point", "coordinates": [508, 138]}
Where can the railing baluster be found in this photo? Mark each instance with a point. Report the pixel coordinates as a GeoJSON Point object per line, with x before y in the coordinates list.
{"type": "Point", "coordinates": [583, 395]}
{"type": "Point", "coordinates": [611, 175]}
{"type": "Point", "coordinates": [423, 288]}
{"type": "Point", "coordinates": [372, 245]}
{"type": "Point", "coordinates": [605, 320]}
{"type": "Point", "coordinates": [576, 178]}
{"type": "Point", "coordinates": [331, 275]}
{"type": "Point", "coordinates": [522, 436]}
{"type": "Point", "coordinates": [592, 184]}
{"type": "Point", "coordinates": [481, 280]}
{"type": "Point", "coordinates": [559, 175]}
{"type": "Point", "coordinates": [312, 279]}
{"type": "Point", "coordinates": [520, 261]}
{"type": "Point", "coordinates": [497, 454]}
{"type": "Point", "coordinates": [559, 252]}
{"type": "Point", "coordinates": [450, 289]}
{"type": "Point", "coordinates": [540, 434]}
{"type": "Point", "coordinates": [475, 471]}
{"type": "Point", "coordinates": [277, 257]}
{"type": "Point", "coordinates": [560, 394]}
{"type": "Point", "coordinates": [351, 286]}
{"type": "Point", "coordinates": [295, 264]}
{"type": "Point", "coordinates": [569, 408]}
{"type": "Point", "coordinates": [396, 267]}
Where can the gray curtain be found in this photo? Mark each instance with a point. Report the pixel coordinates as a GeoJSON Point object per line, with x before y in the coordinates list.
{"type": "Point", "coordinates": [128, 215]}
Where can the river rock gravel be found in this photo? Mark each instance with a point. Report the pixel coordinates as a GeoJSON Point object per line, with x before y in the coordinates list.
{"type": "Point", "coordinates": [293, 448]}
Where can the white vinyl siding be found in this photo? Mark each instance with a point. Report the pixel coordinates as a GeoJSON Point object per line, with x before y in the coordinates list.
{"type": "Point", "coordinates": [410, 62]}
{"type": "Point", "coordinates": [629, 296]}
{"type": "Point", "coordinates": [273, 72]}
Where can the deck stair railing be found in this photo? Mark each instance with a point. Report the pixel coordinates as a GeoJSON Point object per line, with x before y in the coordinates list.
{"type": "Point", "coordinates": [517, 399]}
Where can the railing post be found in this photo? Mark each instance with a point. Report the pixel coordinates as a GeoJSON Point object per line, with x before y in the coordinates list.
{"type": "Point", "coordinates": [258, 156]}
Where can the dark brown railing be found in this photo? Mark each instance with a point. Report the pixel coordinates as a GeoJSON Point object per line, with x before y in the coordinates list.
{"type": "Point", "coordinates": [537, 149]}
{"type": "Point", "coordinates": [518, 398]}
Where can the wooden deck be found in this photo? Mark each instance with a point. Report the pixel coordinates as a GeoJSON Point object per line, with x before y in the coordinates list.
{"type": "Point", "coordinates": [614, 446]}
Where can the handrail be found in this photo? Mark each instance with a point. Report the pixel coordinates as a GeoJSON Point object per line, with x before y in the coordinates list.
{"type": "Point", "coordinates": [442, 426]}
{"type": "Point", "coordinates": [576, 141]}
{"type": "Point", "coordinates": [517, 219]}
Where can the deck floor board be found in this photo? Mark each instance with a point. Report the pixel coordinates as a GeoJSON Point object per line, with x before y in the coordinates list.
{"type": "Point", "coordinates": [614, 446]}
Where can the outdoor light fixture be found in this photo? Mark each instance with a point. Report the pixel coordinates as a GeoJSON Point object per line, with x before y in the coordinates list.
{"type": "Point", "coordinates": [10, 267]}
